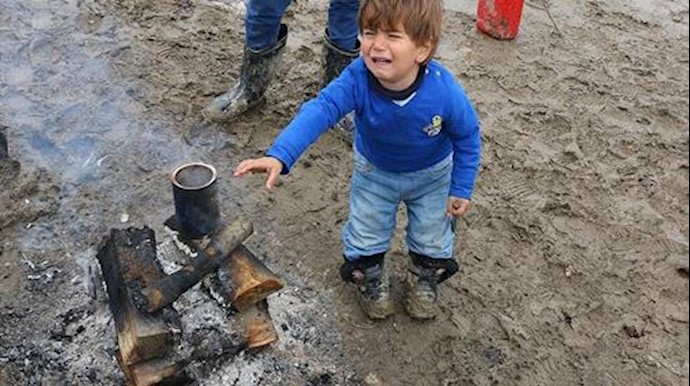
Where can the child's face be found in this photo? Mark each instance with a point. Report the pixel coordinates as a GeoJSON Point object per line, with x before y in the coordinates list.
{"type": "Point", "coordinates": [392, 56]}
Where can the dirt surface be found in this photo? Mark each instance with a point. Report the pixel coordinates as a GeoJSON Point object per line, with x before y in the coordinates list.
{"type": "Point", "coordinates": [574, 256]}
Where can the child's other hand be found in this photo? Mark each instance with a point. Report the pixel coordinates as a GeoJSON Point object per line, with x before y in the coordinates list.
{"type": "Point", "coordinates": [458, 206]}
{"type": "Point", "coordinates": [269, 165]}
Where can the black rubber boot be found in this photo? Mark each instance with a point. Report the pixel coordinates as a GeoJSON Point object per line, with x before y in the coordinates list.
{"type": "Point", "coordinates": [3, 144]}
{"type": "Point", "coordinates": [257, 71]}
{"type": "Point", "coordinates": [335, 60]}
{"type": "Point", "coordinates": [9, 168]}
{"type": "Point", "coordinates": [422, 282]}
{"type": "Point", "coordinates": [371, 279]}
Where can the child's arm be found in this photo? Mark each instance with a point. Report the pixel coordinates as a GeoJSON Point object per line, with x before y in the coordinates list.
{"type": "Point", "coordinates": [464, 132]}
{"type": "Point", "coordinates": [314, 117]}
{"type": "Point", "coordinates": [269, 165]}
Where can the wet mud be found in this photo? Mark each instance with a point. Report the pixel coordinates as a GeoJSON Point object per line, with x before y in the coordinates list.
{"type": "Point", "coordinates": [574, 256]}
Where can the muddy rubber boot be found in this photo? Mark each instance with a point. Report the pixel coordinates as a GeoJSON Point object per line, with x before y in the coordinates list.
{"type": "Point", "coordinates": [371, 279]}
{"type": "Point", "coordinates": [423, 278]}
{"type": "Point", "coordinates": [335, 60]}
{"type": "Point", "coordinates": [3, 144]}
{"type": "Point", "coordinates": [257, 71]}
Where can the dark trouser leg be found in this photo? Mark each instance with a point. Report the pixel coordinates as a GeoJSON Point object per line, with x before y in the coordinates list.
{"type": "Point", "coordinates": [342, 23]}
{"type": "Point", "coordinates": [262, 23]}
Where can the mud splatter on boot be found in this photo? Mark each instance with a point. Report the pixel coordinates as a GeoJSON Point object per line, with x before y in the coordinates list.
{"type": "Point", "coordinates": [422, 293]}
{"type": "Point", "coordinates": [256, 74]}
{"type": "Point", "coordinates": [374, 295]}
{"type": "Point", "coordinates": [371, 279]}
{"type": "Point", "coordinates": [421, 283]}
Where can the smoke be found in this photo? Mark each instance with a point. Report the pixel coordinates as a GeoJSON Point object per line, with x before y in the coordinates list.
{"type": "Point", "coordinates": [69, 113]}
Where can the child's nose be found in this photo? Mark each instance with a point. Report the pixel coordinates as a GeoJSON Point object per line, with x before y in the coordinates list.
{"type": "Point", "coordinates": [379, 40]}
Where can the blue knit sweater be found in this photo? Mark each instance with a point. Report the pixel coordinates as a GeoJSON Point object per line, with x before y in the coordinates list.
{"type": "Point", "coordinates": [394, 136]}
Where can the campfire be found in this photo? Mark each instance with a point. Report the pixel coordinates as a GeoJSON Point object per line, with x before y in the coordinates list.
{"type": "Point", "coordinates": [141, 294]}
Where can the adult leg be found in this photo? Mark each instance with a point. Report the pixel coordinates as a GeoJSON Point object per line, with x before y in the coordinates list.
{"type": "Point", "coordinates": [340, 48]}
{"type": "Point", "coordinates": [342, 23]}
{"type": "Point", "coordinates": [262, 23]}
{"type": "Point", "coordinates": [265, 42]}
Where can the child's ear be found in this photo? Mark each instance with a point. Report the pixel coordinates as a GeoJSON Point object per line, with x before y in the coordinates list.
{"type": "Point", "coordinates": [423, 53]}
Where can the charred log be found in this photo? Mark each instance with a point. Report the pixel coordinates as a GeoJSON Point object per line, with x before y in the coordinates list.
{"type": "Point", "coordinates": [128, 262]}
{"type": "Point", "coordinates": [165, 371]}
{"type": "Point", "coordinates": [259, 329]}
{"type": "Point", "coordinates": [166, 290]}
{"type": "Point", "coordinates": [244, 280]}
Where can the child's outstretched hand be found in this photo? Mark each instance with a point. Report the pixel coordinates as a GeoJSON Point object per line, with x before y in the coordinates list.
{"type": "Point", "coordinates": [269, 165]}
{"type": "Point", "coordinates": [457, 206]}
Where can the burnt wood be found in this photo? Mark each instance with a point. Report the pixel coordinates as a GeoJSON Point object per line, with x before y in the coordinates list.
{"type": "Point", "coordinates": [259, 329]}
{"type": "Point", "coordinates": [164, 371]}
{"type": "Point", "coordinates": [166, 290]}
{"type": "Point", "coordinates": [244, 280]}
{"type": "Point", "coordinates": [128, 263]}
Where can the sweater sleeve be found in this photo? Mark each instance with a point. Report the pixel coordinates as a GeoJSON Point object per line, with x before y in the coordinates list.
{"type": "Point", "coordinates": [466, 139]}
{"type": "Point", "coordinates": [314, 118]}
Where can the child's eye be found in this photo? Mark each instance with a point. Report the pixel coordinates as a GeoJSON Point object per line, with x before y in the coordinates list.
{"type": "Point", "coordinates": [394, 35]}
{"type": "Point", "coordinates": [368, 33]}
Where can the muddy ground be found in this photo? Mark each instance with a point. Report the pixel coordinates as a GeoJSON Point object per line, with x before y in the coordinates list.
{"type": "Point", "coordinates": [574, 256]}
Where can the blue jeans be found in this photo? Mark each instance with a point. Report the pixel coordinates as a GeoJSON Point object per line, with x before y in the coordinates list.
{"type": "Point", "coordinates": [263, 23]}
{"type": "Point", "coordinates": [374, 199]}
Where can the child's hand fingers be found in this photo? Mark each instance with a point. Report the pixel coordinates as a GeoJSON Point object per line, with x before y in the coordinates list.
{"type": "Point", "coordinates": [244, 167]}
{"type": "Point", "coordinates": [263, 165]}
{"type": "Point", "coordinates": [272, 179]}
{"type": "Point", "coordinates": [463, 207]}
{"type": "Point", "coordinates": [459, 211]}
{"type": "Point", "coordinates": [253, 165]}
{"type": "Point", "coordinates": [454, 212]}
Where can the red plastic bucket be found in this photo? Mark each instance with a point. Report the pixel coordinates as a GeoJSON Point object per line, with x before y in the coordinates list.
{"type": "Point", "coordinates": [499, 18]}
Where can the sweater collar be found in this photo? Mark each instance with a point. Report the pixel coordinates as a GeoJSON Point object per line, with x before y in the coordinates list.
{"type": "Point", "coordinates": [398, 95]}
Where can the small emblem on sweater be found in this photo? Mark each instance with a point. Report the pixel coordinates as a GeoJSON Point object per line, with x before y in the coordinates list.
{"type": "Point", "coordinates": [435, 127]}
